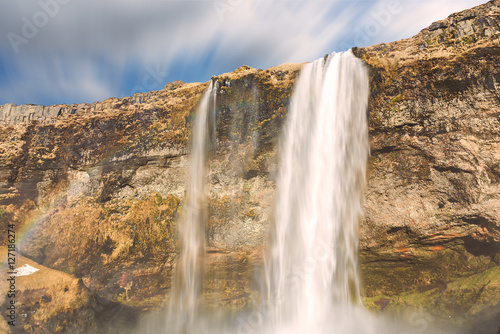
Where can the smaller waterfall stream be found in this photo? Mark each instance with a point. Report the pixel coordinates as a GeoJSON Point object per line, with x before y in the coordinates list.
{"type": "Point", "coordinates": [187, 280]}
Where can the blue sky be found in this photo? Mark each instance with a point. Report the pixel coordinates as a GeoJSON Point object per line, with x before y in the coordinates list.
{"type": "Point", "coordinates": [72, 51]}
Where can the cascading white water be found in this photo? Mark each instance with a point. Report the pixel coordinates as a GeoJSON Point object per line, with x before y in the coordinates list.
{"type": "Point", "coordinates": [187, 281]}
{"type": "Point", "coordinates": [311, 277]}
{"type": "Point", "coordinates": [312, 264]}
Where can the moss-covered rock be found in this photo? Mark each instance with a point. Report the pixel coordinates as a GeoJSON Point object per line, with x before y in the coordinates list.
{"type": "Point", "coordinates": [464, 302]}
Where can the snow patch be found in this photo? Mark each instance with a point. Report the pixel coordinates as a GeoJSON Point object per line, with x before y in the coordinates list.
{"type": "Point", "coordinates": [26, 270]}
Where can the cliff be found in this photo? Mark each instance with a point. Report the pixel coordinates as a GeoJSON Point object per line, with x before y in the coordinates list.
{"type": "Point", "coordinates": [433, 183]}
{"type": "Point", "coordinates": [98, 188]}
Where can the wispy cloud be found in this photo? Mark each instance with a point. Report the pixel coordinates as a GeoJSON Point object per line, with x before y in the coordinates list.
{"type": "Point", "coordinates": [90, 50]}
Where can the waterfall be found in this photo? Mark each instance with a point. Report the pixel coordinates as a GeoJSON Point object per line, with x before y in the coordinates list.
{"type": "Point", "coordinates": [312, 268]}
{"type": "Point", "coordinates": [187, 280]}
{"type": "Point", "coordinates": [310, 281]}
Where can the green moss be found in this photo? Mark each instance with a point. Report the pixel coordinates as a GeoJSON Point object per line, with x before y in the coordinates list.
{"type": "Point", "coordinates": [462, 298]}
{"type": "Point", "coordinates": [251, 213]}
{"type": "Point", "coordinates": [470, 39]}
{"type": "Point", "coordinates": [374, 303]}
{"type": "Point", "coordinates": [430, 41]}
{"type": "Point", "coordinates": [398, 98]}
{"type": "Point", "coordinates": [421, 268]}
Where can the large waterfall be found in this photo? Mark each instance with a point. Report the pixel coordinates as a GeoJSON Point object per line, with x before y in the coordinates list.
{"type": "Point", "coordinates": [310, 282]}
{"type": "Point", "coordinates": [312, 265]}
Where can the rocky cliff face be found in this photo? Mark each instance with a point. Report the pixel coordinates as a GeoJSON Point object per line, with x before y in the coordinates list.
{"type": "Point", "coordinates": [99, 186]}
{"type": "Point", "coordinates": [433, 186]}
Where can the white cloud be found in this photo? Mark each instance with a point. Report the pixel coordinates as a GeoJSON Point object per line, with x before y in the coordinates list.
{"type": "Point", "coordinates": [398, 19]}
{"type": "Point", "coordinates": [83, 51]}
{"type": "Point", "coordinates": [39, 77]}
